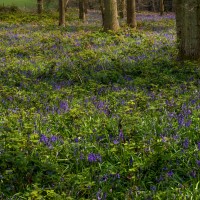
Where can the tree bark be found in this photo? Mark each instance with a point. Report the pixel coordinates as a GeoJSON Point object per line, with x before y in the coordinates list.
{"type": "Point", "coordinates": [110, 15]}
{"type": "Point", "coordinates": [62, 13]}
{"type": "Point", "coordinates": [39, 6]}
{"type": "Point", "coordinates": [102, 11]}
{"type": "Point", "coordinates": [86, 5]}
{"type": "Point", "coordinates": [66, 4]}
{"type": "Point", "coordinates": [188, 29]}
{"type": "Point", "coordinates": [131, 13]}
{"type": "Point", "coordinates": [122, 8]}
{"type": "Point", "coordinates": [153, 6]}
{"type": "Point", "coordinates": [162, 7]}
{"type": "Point", "coordinates": [82, 10]}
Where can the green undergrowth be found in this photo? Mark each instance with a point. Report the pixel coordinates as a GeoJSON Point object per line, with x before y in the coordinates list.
{"type": "Point", "coordinates": [91, 115]}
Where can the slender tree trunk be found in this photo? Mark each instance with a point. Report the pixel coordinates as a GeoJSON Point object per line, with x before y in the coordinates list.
{"type": "Point", "coordinates": [62, 13]}
{"type": "Point", "coordinates": [111, 15]}
{"type": "Point", "coordinates": [66, 4]}
{"type": "Point", "coordinates": [102, 11]}
{"type": "Point", "coordinates": [82, 10]}
{"type": "Point", "coordinates": [188, 28]}
{"type": "Point", "coordinates": [138, 5]}
{"type": "Point", "coordinates": [122, 8]}
{"type": "Point", "coordinates": [162, 7]}
{"type": "Point", "coordinates": [131, 13]}
{"type": "Point", "coordinates": [86, 4]}
{"type": "Point", "coordinates": [39, 6]}
{"type": "Point", "coordinates": [153, 6]}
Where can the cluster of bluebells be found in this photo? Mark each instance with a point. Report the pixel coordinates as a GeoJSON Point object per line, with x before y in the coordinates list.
{"type": "Point", "coordinates": [48, 141]}
{"type": "Point", "coordinates": [112, 177]}
{"type": "Point", "coordinates": [120, 138]}
{"type": "Point", "coordinates": [92, 158]}
{"type": "Point", "coordinates": [101, 195]}
{"type": "Point", "coordinates": [102, 106]}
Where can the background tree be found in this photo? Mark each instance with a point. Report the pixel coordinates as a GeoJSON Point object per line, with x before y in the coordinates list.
{"type": "Point", "coordinates": [86, 5]}
{"type": "Point", "coordinates": [110, 15]}
{"type": "Point", "coordinates": [62, 13]}
{"type": "Point", "coordinates": [122, 5]}
{"type": "Point", "coordinates": [101, 4]}
{"type": "Point", "coordinates": [131, 13]}
{"type": "Point", "coordinates": [188, 28]}
{"type": "Point", "coordinates": [82, 10]}
{"type": "Point", "coordinates": [162, 7]}
{"type": "Point", "coordinates": [66, 4]}
{"type": "Point", "coordinates": [39, 6]}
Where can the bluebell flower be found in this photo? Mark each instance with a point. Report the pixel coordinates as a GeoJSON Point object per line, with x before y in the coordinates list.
{"type": "Point", "coordinates": [186, 143]}
{"type": "Point", "coordinates": [181, 120]}
{"type": "Point", "coordinates": [121, 135]}
{"type": "Point", "coordinates": [92, 157]}
{"type": "Point", "coordinates": [118, 175]}
{"type": "Point", "coordinates": [153, 188]}
{"type": "Point", "coordinates": [116, 141]}
{"type": "Point", "coordinates": [81, 156]}
{"type": "Point", "coordinates": [193, 174]}
{"type": "Point", "coordinates": [64, 106]}
{"type": "Point", "coordinates": [104, 178]}
{"type": "Point", "coordinates": [44, 139]}
{"type": "Point", "coordinates": [198, 145]}
{"type": "Point", "coordinates": [131, 160]}
{"type": "Point", "coordinates": [76, 140]}
{"type": "Point", "coordinates": [188, 123]}
{"type": "Point", "coordinates": [198, 162]}
{"type": "Point", "coordinates": [53, 138]}
{"type": "Point", "coordinates": [170, 173]}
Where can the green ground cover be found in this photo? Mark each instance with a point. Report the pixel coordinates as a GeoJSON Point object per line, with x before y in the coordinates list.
{"type": "Point", "coordinates": [91, 115]}
{"type": "Point", "coordinates": [20, 3]}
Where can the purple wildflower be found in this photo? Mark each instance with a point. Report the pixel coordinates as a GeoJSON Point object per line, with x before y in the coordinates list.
{"type": "Point", "coordinates": [170, 173]}
{"type": "Point", "coordinates": [121, 135]}
{"type": "Point", "coordinates": [193, 174]}
{"type": "Point", "coordinates": [153, 188]}
{"type": "Point", "coordinates": [53, 138]}
{"type": "Point", "coordinates": [81, 156]}
{"type": "Point", "coordinates": [198, 162]}
{"type": "Point", "coordinates": [115, 141]}
{"type": "Point", "coordinates": [99, 195]}
{"type": "Point", "coordinates": [186, 143]}
{"type": "Point", "coordinates": [131, 160]}
{"type": "Point", "coordinates": [104, 178]}
{"type": "Point", "coordinates": [92, 157]}
{"type": "Point", "coordinates": [181, 120]}
{"type": "Point", "coordinates": [44, 139]}
{"type": "Point", "coordinates": [64, 106]}
{"type": "Point", "coordinates": [76, 140]}
{"type": "Point", "coordinates": [198, 145]}
{"type": "Point", "coordinates": [161, 178]}
{"type": "Point", "coordinates": [118, 175]}
{"type": "Point", "coordinates": [188, 123]}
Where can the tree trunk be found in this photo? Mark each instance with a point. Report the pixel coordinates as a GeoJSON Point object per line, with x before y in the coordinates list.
{"type": "Point", "coordinates": [86, 4]}
{"type": "Point", "coordinates": [131, 13]}
{"type": "Point", "coordinates": [82, 10]}
{"type": "Point", "coordinates": [39, 6]}
{"type": "Point", "coordinates": [66, 4]}
{"type": "Point", "coordinates": [153, 6]}
{"type": "Point", "coordinates": [62, 13]}
{"type": "Point", "coordinates": [162, 7]}
{"type": "Point", "coordinates": [122, 8]}
{"type": "Point", "coordinates": [102, 11]}
{"type": "Point", "coordinates": [110, 15]}
{"type": "Point", "coordinates": [188, 28]}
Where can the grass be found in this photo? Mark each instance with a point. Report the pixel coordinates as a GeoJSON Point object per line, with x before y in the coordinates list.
{"type": "Point", "coordinates": [93, 115]}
